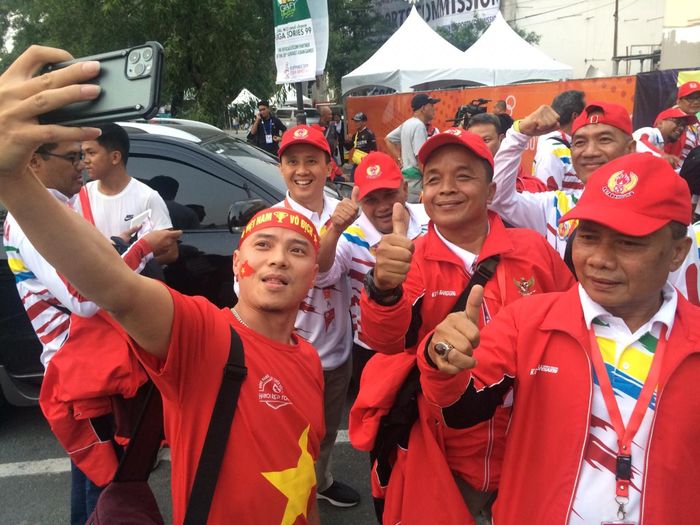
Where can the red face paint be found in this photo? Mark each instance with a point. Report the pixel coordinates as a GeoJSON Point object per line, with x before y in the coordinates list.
{"type": "Point", "coordinates": [246, 270]}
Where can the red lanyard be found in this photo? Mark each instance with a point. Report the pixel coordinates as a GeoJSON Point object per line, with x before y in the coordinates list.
{"type": "Point", "coordinates": [623, 473]}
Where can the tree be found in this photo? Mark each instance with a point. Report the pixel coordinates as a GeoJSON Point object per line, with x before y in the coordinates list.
{"type": "Point", "coordinates": [212, 47]}
{"type": "Point", "coordinates": [464, 34]}
{"type": "Point", "coordinates": [355, 34]}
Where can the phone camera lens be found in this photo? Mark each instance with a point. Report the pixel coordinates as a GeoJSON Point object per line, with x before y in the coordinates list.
{"type": "Point", "coordinates": [147, 53]}
{"type": "Point", "coordinates": [134, 57]}
{"type": "Point", "coordinates": [139, 69]}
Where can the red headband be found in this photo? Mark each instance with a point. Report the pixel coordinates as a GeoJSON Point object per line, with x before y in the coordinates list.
{"type": "Point", "coordinates": [281, 218]}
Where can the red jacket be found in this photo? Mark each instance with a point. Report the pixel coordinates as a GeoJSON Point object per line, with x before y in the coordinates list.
{"type": "Point", "coordinates": [437, 277]}
{"type": "Point", "coordinates": [551, 412]}
{"type": "Point", "coordinates": [95, 363]}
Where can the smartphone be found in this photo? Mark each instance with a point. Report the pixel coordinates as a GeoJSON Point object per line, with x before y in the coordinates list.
{"type": "Point", "coordinates": [130, 80]}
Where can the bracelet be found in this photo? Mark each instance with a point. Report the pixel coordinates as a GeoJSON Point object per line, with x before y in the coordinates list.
{"type": "Point", "coordinates": [516, 125]}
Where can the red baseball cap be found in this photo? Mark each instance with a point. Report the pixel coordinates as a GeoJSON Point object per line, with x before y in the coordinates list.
{"type": "Point", "coordinates": [303, 134]}
{"type": "Point", "coordinates": [377, 171]}
{"type": "Point", "coordinates": [603, 113]}
{"type": "Point", "coordinates": [459, 136]}
{"type": "Point", "coordinates": [688, 89]}
{"type": "Point", "coordinates": [635, 195]}
{"type": "Point", "coordinates": [675, 113]}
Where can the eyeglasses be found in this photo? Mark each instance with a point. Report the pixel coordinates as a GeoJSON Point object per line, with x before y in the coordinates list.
{"type": "Point", "coordinates": [73, 158]}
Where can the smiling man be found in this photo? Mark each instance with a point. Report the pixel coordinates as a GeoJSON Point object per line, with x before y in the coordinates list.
{"type": "Point", "coordinates": [411, 289]}
{"type": "Point", "coordinates": [669, 127]}
{"type": "Point", "coordinates": [605, 425]}
{"type": "Point", "coordinates": [267, 474]}
{"type": "Point", "coordinates": [324, 317]}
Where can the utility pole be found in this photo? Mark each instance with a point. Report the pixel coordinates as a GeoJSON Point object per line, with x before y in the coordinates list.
{"type": "Point", "coordinates": [616, 62]}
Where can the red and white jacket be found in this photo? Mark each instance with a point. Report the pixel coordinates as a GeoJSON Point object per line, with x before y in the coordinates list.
{"type": "Point", "coordinates": [540, 347]}
{"type": "Point", "coordinates": [528, 265]}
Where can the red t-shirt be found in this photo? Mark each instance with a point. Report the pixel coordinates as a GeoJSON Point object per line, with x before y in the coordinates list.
{"type": "Point", "coordinates": [267, 475]}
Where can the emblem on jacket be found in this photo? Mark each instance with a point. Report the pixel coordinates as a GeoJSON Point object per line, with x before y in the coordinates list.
{"type": "Point", "coordinates": [525, 286]}
{"type": "Point", "coordinates": [271, 392]}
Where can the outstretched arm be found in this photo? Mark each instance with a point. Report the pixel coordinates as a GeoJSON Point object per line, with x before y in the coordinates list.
{"type": "Point", "coordinates": [70, 244]}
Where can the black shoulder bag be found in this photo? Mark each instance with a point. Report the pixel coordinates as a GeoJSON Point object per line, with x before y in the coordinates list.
{"type": "Point", "coordinates": [395, 428]}
{"type": "Point", "coordinates": [129, 498]}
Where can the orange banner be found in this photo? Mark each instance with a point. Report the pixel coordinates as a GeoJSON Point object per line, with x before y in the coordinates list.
{"type": "Point", "coordinates": [386, 112]}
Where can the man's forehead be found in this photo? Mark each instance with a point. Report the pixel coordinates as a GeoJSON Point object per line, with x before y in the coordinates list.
{"type": "Point", "coordinates": [598, 128]}
{"type": "Point", "coordinates": [68, 146]}
{"type": "Point", "coordinates": [302, 149]}
{"type": "Point", "coordinates": [280, 234]}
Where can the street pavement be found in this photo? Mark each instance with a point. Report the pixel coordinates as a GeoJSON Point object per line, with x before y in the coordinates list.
{"type": "Point", "coordinates": [35, 475]}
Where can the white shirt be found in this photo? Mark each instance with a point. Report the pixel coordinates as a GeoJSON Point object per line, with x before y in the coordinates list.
{"type": "Point", "coordinates": [354, 257]}
{"type": "Point", "coordinates": [649, 140]}
{"type": "Point", "coordinates": [324, 316]}
{"type": "Point", "coordinates": [627, 357]}
{"type": "Point", "coordinates": [113, 213]}
{"type": "Point", "coordinates": [467, 257]}
{"type": "Point", "coordinates": [552, 163]}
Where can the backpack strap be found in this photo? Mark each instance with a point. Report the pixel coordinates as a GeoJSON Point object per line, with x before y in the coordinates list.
{"type": "Point", "coordinates": [207, 475]}
{"type": "Point", "coordinates": [484, 271]}
{"type": "Point", "coordinates": [85, 205]}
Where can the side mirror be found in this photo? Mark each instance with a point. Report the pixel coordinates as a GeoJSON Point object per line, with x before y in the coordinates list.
{"type": "Point", "coordinates": [241, 212]}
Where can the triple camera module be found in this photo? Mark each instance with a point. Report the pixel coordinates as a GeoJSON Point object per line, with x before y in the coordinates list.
{"type": "Point", "coordinates": [139, 63]}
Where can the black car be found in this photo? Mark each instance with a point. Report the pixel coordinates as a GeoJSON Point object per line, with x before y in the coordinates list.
{"type": "Point", "coordinates": [217, 173]}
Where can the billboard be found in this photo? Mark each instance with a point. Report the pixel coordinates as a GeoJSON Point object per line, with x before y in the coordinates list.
{"type": "Point", "coordinates": [439, 12]}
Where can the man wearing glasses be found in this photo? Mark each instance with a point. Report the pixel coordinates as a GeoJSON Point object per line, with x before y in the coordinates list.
{"type": "Point", "coordinates": [48, 299]}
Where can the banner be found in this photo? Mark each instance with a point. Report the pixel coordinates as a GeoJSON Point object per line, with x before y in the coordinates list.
{"type": "Point", "coordinates": [439, 12]}
{"type": "Point", "coordinates": [295, 47]}
{"type": "Point", "coordinates": [319, 19]}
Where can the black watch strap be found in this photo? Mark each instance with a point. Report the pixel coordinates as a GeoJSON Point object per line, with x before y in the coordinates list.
{"type": "Point", "coordinates": [381, 297]}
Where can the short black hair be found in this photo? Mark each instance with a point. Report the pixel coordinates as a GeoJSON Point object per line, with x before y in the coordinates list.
{"type": "Point", "coordinates": [567, 103]}
{"type": "Point", "coordinates": [114, 138]}
{"type": "Point", "coordinates": [678, 230]}
{"type": "Point", "coordinates": [500, 104]}
{"type": "Point", "coordinates": [46, 148]}
{"type": "Point", "coordinates": [506, 121]}
{"type": "Point", "coordinates": [264, 102]}
{"type": "Point", "coordinates": [485, 118]}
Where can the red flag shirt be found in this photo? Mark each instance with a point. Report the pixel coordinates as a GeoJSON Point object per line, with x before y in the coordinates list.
{"type": "Point", "coordinates": [267, 475]}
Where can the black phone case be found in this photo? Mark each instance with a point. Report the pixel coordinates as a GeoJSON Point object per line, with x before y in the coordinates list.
{"type": "Point", "coordinates": [121, 98]}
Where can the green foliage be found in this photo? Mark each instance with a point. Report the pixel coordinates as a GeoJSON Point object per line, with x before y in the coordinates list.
{"type": "Point", "coordinates": [355, 34]}
{"type": "Point", "coordinates": [463, 35]}
{"type": "Point", "coordinates": [213, 48]}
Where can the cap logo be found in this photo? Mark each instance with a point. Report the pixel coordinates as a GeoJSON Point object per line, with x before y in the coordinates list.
{"type": "Point", "coordinates": [621, 184]}
{"type": "Point", "coordinates": [454, 131]}
{"type": "Point", "coordinates": [374, 171]}
{"type": "Point", "coordinates": [593, 119]}
{"type": "Point", "coordinates": [693, 85]}
{"type": "Point", "coordinates": [301, 133]}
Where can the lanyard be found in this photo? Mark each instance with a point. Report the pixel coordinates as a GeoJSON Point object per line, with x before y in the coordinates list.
{"type": "Point", "coordinates": [623, 471]}
{"type": "Point", "coordinates": [265, 126]}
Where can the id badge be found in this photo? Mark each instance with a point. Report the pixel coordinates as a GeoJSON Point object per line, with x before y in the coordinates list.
{"type": "Point", "coordinates": [618, 522]}
{"type": "Point", "coordinates": [268, 138]}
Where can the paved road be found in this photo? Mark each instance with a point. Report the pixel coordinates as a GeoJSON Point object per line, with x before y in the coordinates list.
{"type": "Point", "coordinates": [35, 476]}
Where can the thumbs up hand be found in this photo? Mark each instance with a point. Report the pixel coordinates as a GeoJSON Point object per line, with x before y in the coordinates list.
{"type": "Point", "coordinates": [347, 211]}
{"type": "Point", "coordinates": [394, 252]}
{"type": "Point", "coordinates": [456, 337]}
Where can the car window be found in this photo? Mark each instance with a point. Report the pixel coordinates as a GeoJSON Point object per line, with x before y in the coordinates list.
{"type": "Point", "coordinates": [207, 195]}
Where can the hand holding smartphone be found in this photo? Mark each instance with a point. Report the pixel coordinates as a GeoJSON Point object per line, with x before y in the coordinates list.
{"type": "Point", "coordinates": [130, 82]}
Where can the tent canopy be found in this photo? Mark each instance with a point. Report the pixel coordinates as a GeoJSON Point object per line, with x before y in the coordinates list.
{"type": "Point", "coordinates": [501, 57]}
{"type": "Point", "coordinates": [244, 97]}
{"type": "Point", "coordinates": [413, 55]}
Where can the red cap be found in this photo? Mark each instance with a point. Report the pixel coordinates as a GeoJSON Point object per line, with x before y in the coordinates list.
{"type": "Point", "coordinates": [377, 171]}
{"type": "Point", "coordinates": [459, 136]}
{"type": "Point", "coordinates": [603, 113]}
{"type": "Point", "coordinates": [635, 194]}
{"type": "Point", "coordinates": [688, 89]}
{"type": "Point", "coordinates": [304, 135]}
{"type": "Point", "coordinates": [281, 218]}
{"type": "Point", "coordinates": [675, 113]}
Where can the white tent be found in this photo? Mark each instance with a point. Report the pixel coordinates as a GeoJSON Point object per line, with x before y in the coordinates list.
{"type": "Point", "coordinates": [414, 55]}
{"type": "Point", "coordinates": [501, 57]}
{"type": "Point", "coordinates": [244, 97]}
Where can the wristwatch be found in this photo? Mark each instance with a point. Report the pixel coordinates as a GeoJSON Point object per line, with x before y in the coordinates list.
{"type": "Point", "coordinates": [381, 297]}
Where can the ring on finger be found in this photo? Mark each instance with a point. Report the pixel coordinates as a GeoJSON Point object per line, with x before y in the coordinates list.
{"type": "Point", "coordinates": [443, 349]}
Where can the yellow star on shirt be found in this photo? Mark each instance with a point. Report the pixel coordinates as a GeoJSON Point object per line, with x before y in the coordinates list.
{"type": "Point", "coordinates": [296, 483]}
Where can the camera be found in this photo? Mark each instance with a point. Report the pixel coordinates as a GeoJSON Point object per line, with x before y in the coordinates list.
{"type": "Point", "coordinates": [464, 113]}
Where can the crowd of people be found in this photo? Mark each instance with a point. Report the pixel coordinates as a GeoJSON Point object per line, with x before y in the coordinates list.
{"type": "Point", "coordinates": [526, 336]}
